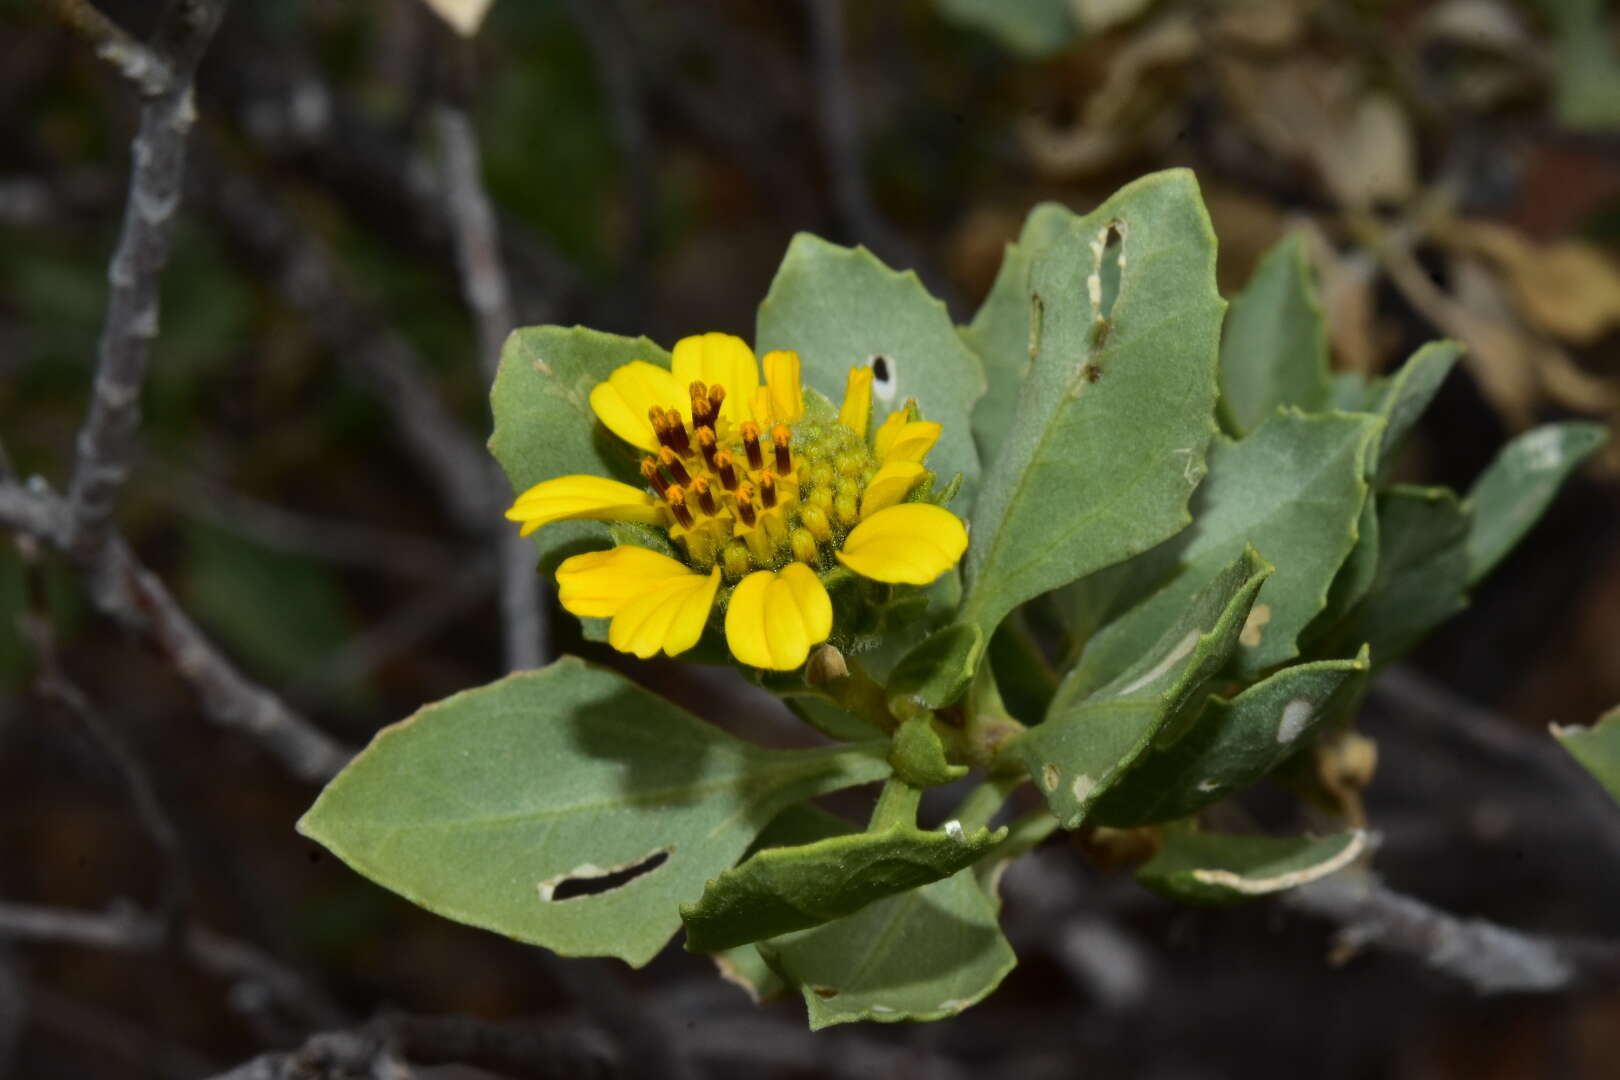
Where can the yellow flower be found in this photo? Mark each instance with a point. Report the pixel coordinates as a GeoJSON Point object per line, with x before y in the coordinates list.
{"type": "Point", "coordinates": [754, 489]}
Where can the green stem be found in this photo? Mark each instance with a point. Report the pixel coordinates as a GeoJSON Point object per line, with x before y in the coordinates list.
{"type": "Point", "coordinates": [859, 695]}
{"type": "Point", "coordinates": [896, 806]}
{"type": "Point", "coordinates": [984, 800]}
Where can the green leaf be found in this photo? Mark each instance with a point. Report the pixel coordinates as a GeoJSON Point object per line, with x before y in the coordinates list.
{"type": "Point", "coordinates": [1034, 28]}
{"type": "Point", "coordinates": [840, 308]}
{"type": "Point", "coordinates": [1515, 491]}
{"type": "Point", "coordinates": [1216, 869]}
{"type": "Point", "coordinates": [1274, 351]}
{"type": "Point", "coordinates": [1231, 744]}
{"type": "Point", "coordinates": [921, 955]}
{"type": "Point", "coordinates": [783, 889]}
{"type": "Point", "coordinates": [1114, 418]}
{"type": "Point", "coordinates": [935, 673]}
{"type": "Point", "coordinates": [1597, 748]}
{"type": "Point", "coordinates": [544, 426]}
{"type": "Point", "coordinates": [999, 333]}
{"type": "Point", "coordinates": [1089, 741]}
{"type": "Point", "coordinates": [486, 805]}
{"type": "Point", "coordinates": [1293, 489]}
{"type": "Point", "coordinates": [743, 967]}
{"type": "Point", "coordinates": [1422, 576]}
{"type": "Point", "coordinates": [1402, 398]}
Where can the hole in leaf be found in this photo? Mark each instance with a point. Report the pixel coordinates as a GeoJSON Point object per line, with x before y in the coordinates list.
{"type": "Point", "coordinates": [588, 879]}
{"type": "Point", "coordinates": [1110, 267]}
{"type": "Point", "coordinates": [885, 378]}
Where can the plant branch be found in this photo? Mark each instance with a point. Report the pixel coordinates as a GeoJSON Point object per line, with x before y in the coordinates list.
{"type": "Point", "coordinates": [1490, 958]}
{"type": "Point", "coordinates": [107, 440]}
{"type": "Point", "coordinates": [540, 1052]}
{"type": "Point", "coordinates": [488, 296]}
{"type": "Point", "coordinates": [130, 594]}
{"type": "Point", "coordinates": [150, 72]}
{"type": "Point", "coordinates": [126, 929]}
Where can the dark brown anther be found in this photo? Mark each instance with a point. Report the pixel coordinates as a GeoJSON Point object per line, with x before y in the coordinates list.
{"type": "Point", "coordinates": [780, 436]}
{"type": "Point", "coordinates": [668, 459]}
{"type": "Point", "coordinates": [650, 473]}
{"type": "Point", "coordinates": [676, 496]}
{"type": "Point", "coordinates": [745, 508]}
{"type": "Point", "coordinates": [767, 489]}
{"type": "Point", "coordinates": [659, 424]}
{"type": "Point", "coordinates": [717, 397]}
{"type": "Point", "coordinates": [700, 405]}
{"type": "Point", "coordinates": [677, 433]}
{"type": "Point", "coordinates": [750, 437]}
{"type": "Point", "coordinates": [723, 469]}
{"type": "Point", "coordinates": [706, 444]}
{"type": "Point", "coordinates": [705, 497]}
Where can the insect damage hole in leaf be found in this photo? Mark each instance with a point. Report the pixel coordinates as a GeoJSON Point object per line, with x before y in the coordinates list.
{"type": "Point", "coordinates": [885, 378]}
{"type": "Point", "coordinates": [1104, 282]}
{"type": "Point", "coordinates": [588, 879]}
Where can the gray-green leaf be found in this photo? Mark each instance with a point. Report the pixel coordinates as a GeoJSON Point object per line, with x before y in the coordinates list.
{"type": "Point", "coordinates": [1216, 869]}
{"type": "Point", "coordinates": [544, 426]}
{"type": "Point", "coordinates": [1231, 744]}
{"type": "Point", "coordinates": [999, 332]}
{"type": "Point", "coordinates": [1422, 576]}
{"type": "Point", "coordinates": [1515, 491]}
{"type": "Point", "coordinates": [782, 889]}
{"type": "Point", "coordinates": [840, 308]}
{"type": "Point", "coordinates": [490, 805]}
{"type": "Point", "coordinates": [1274, 350]}
{"type": "Point", "coordinates": [1293, 489]}
{"type": "Point", "coordinates": [921, 955]}
{"type": "Point", "coordinates": [1088, 742]}
{"type": "Point", "coordinates": [1108, 439]}
{"type": "Point", "coordinates": [1597, 748]}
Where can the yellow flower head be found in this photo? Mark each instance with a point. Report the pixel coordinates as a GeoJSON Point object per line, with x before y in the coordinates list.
{"type": "Point", "coordinates": [751, 489]}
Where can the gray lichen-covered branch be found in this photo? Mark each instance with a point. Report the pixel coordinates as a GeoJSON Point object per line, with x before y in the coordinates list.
{"type": "Point", "coordinates": [107, 440]}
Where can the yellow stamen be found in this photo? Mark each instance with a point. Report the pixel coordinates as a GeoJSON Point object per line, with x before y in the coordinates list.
{"type": "Point", "coordinates": [767, 489]}
{"type": "Point", "coordinates": [705, 498]}
{"type": "Point", "coordinates": [723, 469]}
{"type": "Point", "coordinates": [784, 457]}
{"type": "Point", "coordinates": [706, 445]}
{"type": "Point", "coordinates": [650, 473]}
{"type": "Point", "coordinates": [750, 437]}
{"type": "Point", "coordinates": [745, 507]}
{"type": "Point", "coordinates": [668, 459]}
{"type": "Point", "coordinates": [676, 495]}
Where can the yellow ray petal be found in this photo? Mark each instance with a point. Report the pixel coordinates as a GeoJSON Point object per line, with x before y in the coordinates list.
{"type": "Point", "coordinates": [583, 498]}
{"type": "Point", "coordinates": [909, 441]}
{"type": "Point", "coordinates": [775, 617]}
{"type": "Point", "coordinates": [787, 394]}
{"type": "Point", "coordinates": [622, 400]}
{"type": "Point", "coordinates": [884, 437]}
{"type": "Point", "coordinates": [716, 358]}
{"type": "Point", "coordinates": [856, 411]}
{"type": "Point", "coordinates": [667, 617]}
{"type": "Point", "coordinates": [910, 544]}
{"type": "Point", "coordinates": [891, 485]}
{"type": "Point", "coordinates": [598, 584]}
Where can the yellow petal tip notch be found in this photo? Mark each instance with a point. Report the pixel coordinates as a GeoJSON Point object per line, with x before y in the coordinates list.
{"type": "Point", "coordinates": [776, 616]}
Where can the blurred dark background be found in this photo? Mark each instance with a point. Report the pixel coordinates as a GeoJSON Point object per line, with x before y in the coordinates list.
{"type": "Point", "coordinates": [1456, 166]}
